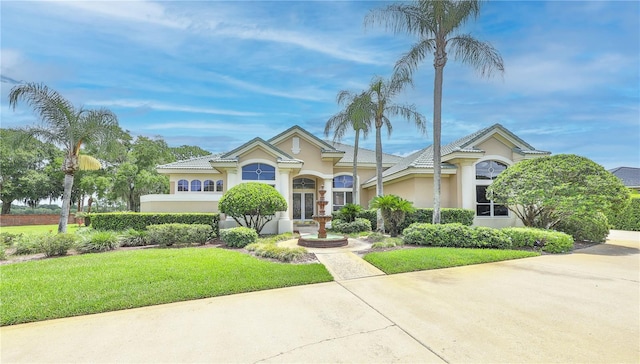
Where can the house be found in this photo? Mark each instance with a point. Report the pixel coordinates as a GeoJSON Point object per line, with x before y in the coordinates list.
{"type": "Point", "coordinates": [629, 176]}
{"type": "Point", "coordinates": [298, 164]}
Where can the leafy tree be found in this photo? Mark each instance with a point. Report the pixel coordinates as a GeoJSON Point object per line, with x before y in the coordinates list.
{"type": "Point", "coordinates": [254, 202]}
{"type": "Point", "coordinates": [357, 116]}
{"type": "Point", "coordinates": [26, 169]}
{"type": "Point", "coordinates": [545, 191]}
{"type": "Point", "coordinates": [187, 152]}
{"type": "Point", "coordinates": [67, 126]}
{"type": "Point", "coordinates": [382, 93]}
{"type": "Point", "coordinates": [436, 23]}
{"type": "Point", "coordinates": [394, 210]}
{"type": "Point", "coordinates": [148, 153]}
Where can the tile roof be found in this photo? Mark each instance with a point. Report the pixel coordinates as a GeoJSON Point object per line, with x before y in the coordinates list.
{"type": "Point", "coordinates": [630, 176]}
{"type": "Point", "coordinates": [424, 157]}
{"type": "Point", "coordinates": [193, 163]}
{"type": "Point", "coordinates": [364, 155]}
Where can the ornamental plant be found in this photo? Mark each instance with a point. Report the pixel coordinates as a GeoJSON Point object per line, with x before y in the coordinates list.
{"type": "Point", "coordinates": [394, 209]}
{"type": "Point", "coordinates": [252, 204]}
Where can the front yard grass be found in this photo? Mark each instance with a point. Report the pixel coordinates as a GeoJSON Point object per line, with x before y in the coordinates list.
{"type": "Point", "coordinates": [409, 260]}
{"type": "Point", "coordinates": [31, 229]}
{"type": "Point", "coordinates": [93, 283]}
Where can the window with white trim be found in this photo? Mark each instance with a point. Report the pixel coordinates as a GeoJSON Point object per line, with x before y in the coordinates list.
{"type": "Point", "coordinates": [196, 185]}
{"type": "Point", "coordinates": [258, 172]}
{"type": "Point", "coordinates": [219, 185]}
{"type": "Point", "coordinates": [342, 191]}
{"type": "Point", "coordinates": [183, 185]}
{"type": "Point", "coordinates": [486, 172]}
{"type": "Point", "coordinates": [209, 186]}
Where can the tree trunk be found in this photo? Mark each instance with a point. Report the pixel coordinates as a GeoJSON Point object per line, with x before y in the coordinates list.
{"type": "Point", "coordinates": [89, 203]}
{"type": "Point", "coordinates": [66, 203]}
{"type": "Point", "coordinates": [6, 207]}
{"type": "Point", "coordinates": [379, 192]}
{"type": "Point", "coordinates": [438, 63]}
{"type": "Point", "coordinates": [356, 187]}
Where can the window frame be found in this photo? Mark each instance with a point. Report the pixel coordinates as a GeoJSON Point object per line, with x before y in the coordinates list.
{"type": "Point", "coordinates": [482, 183]}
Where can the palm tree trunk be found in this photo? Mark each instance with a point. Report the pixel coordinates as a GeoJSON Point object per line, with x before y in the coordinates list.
{"type": "Point", "coordinates": [379, 192]}
{"type": "Point", "coordinates": [356, 187]}
{"type": "Point", "coordinates": [66, 203]}
{"type": "Point", "coordinates": [438, 64]}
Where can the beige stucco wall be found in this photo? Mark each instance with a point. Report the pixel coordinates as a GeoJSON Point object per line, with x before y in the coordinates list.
{"type": "Point", "coordinates": [257, 153]}
{"type": "Point", "coordinates": [178, 206]}
{"type": "Point", "coordinates": [309, 153]}
{"type": "Point", "coordinates": [493, 146]}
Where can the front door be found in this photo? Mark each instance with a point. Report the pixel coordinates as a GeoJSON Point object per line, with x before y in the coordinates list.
{"type": "Point", "coordinates": [303, 205]}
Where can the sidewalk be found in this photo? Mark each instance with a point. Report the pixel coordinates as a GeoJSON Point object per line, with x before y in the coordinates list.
{"type": "Point", "coordinates": [570, 308]}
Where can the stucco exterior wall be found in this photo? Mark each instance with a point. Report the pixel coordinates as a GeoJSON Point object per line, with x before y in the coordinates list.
{"type": "Point", "coordinates": [256, 153]}
{"type": "Point", "coordinates": [309, 153]}
{"type": "Point", "coordinates": [182, 202]}
{"type": "Point", "coordinates": [493, 146]}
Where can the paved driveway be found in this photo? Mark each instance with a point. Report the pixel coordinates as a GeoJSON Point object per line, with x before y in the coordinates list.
{"type": "Point", "coordinates": [581, 307]}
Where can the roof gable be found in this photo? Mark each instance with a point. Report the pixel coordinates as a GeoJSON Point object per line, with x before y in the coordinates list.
{"type": "Point", "coordinates": [321, 144]}
{"type": "Point", "coordinates": [252, 144]}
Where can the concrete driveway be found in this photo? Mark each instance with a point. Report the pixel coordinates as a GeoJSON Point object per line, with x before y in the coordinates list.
{"type": "Point", "coordinates": [575, 308]}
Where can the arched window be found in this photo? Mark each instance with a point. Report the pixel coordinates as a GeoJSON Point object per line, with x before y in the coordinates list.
{"type": "Point", "coordinates": [486, 172]}
{"type": "Point", "coordinates": [196, 185]}
{"type": "Point", "coordinates": [304, 184]}
{"type": "Point", "coordinates": [209, 186]}
{"type": "Point", "coordinates": [219, 185]}
{"type": "Point", "coordinates": [258, 172]}
{"type": "Point", "coordinates": [342, 191]}
{"type": "Point", "coordinates": [183, 185]}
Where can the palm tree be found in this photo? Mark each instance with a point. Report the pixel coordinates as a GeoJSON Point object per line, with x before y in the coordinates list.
{"type": "Point", "coordinates": [436, 23]}
{"type": "Point", "coordinates": [382, 93]}
{"type": "Point", "coordinates": [357, 116]}
{"type": "Point", "coordinates": [68, 127]}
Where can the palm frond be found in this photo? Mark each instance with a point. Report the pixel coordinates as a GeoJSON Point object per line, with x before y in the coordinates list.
{"type": "Point", "coordinates": [88, 163]}
{"type": "Point", "coordinates": [409, 61]}
{"type": "Point", "coordinates": [53, 109]}
{"type": "Point", "coordinates": [480, 55]}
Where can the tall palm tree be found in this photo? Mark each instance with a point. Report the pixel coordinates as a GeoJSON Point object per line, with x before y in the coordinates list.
{"type": "Point", "coordinates": [382, 92]}
{"type": "Point", "coordinates": [68, 127]}
{"type": "Point", "coordinates": [436, 23]}
{"type": "Point", "coordinates": [357, 116]}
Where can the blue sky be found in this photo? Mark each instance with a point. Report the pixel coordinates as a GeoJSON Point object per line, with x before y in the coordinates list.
{"type": "Point", "coordinates": [217, 74]}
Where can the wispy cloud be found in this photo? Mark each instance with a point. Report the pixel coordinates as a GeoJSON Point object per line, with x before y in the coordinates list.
{"type": "Point", "coordinates": [162, 106]}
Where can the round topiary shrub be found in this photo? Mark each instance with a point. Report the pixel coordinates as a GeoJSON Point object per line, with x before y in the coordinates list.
{"type": "Point", "coordinates": [238, 237]}
{"type": "Point", "coordinates": [586, 227]}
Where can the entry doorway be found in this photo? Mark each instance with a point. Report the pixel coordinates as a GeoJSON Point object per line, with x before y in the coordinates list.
{"type": "Point", "coordinates": [303, 203]}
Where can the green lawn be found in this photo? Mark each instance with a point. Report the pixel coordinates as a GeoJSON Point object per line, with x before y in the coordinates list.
{"type": "Point", "coordinates": [92, 283]}
{"type": "Point", "coordinates": [409, 260]}
{"type": "Point", "coordinates": [28, 229]}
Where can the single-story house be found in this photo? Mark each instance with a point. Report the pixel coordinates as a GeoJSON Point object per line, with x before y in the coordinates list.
{"type": "Point", "coordinates": [298, 163]}
{"type": "Point", "coordinates": [630, 176]}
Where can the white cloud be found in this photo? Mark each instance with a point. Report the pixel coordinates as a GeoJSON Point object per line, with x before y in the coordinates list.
{"type": "Point", "coordinates": [161, 106]}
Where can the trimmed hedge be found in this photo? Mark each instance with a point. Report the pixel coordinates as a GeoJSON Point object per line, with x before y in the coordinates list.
{"type": "Point", "coordinates": [119, 221]}
{"type": "Point", "coordinates": [548, 240]}
{"type": "Point", "coordinates": [589, 226]}
{"type": "Point", "coordinates": [455, 235]}
{"type": "Point", "coordinates": [627, 219]}
{"type": "Point", "coordinates": [422, 215]}
{"type": "Point", "coordinates": [238, 237]}
{"type": "Point", "coordinates": [179, 234]}
{"type": "Point", "coordinates": [357, 226]}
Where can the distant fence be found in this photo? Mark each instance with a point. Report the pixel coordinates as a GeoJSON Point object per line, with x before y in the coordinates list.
{"type": "Point", "coordinates": [18, 220]}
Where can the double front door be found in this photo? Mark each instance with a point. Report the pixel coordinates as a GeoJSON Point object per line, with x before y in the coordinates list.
{"type": "Point", "coordinates": [303, 203]}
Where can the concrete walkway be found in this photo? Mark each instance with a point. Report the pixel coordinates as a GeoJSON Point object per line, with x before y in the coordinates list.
{"type": "Point", "coordinates": [575, 308]}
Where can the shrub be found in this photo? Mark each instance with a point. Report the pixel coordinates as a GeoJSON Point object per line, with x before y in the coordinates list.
{"type": "Point", "coordinates": [238, 237]}
{"type": "Point", "coordinates": [27, 244]}
{"type": "Point", "coordinates": [179, 234]}
{"type": "Point", "coordinates": [120, 221]}
{"type": "Point", "coordinates": [547, 240]}
{"type": "Point", "coordinates": [591, 226]}
{"type": "Point", "coordinates": [349, 212]}
{"type": "Point", "coordinates": [133, 237]}
{"type": "Point", "coordinates": [272, 239]}
{"type": "Point", "coordinates": [271, 250]}
{"type": "Point", "coordinates": [447, 216]}
{"type": "Point", "coordinates": [628, 218]}
{"type": "Point", "coordinates": [357, 226]}
{"type": "Point", "coordinates": [98, 241]}
{"type": "Point", "coordinates": [57, 245]}
{"type": "Point", "coordinates": [7, 239]}
{"type": "Point", "coordinates": [376, 237]}
{"type": "Point", "coordinates": [387, 243]}
{"type": "Point", "coordinates": [3, 253]}
{"type": "Point", "coordinates": [455, 235]}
